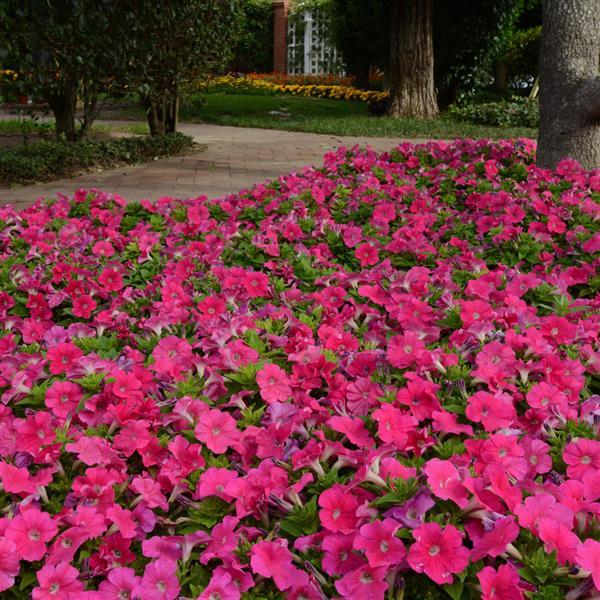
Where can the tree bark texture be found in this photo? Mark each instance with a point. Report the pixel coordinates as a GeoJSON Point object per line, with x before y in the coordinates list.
{"type": "Point", "coordinates": [63, 105]}
{"type": "Point", "coordinates": [163, 114]}
{"type": "Point", "coordinates": [412, 86]}
{"type": "Point", "coordinates": [570, 83]}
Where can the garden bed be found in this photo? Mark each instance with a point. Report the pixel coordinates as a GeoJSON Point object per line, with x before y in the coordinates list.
{"type": "Point", "coordinates": [46, 160]}
{"type": "Point", "coordinates": [375, 379]}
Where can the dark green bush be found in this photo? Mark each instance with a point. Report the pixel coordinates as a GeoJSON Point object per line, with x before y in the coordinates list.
{"type": "Point", "coordinates": [517, 112]}
{"type": "Point", "coordinates": [254, 49]}
{"type": "Point", "coordinates": [47, 160]}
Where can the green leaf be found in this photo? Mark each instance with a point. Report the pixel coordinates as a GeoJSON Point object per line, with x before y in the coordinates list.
{"type": "Point", "coordinates": [302, 520]}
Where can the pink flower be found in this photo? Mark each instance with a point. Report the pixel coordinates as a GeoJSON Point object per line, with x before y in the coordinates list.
{"type": "Point", "coordinates": [217, 430]}
{"type": "Point", "coordinates": [394, 425]}
{"type": "Point", "coordinates": [491, 539]}
{"type": "Point", "coordinates": [120, 584]}
{"type": "Point", "coordinates": [159, 581]}
{"type": "Point", "coordinates": [213, 483]}
{"type": "Point", "coordinates": [123, 520]}
{"type": "Point", "coordinates": [365, 583]}
{"type": "Point", "coordinates": [381, 547]}
{"type": "Point", "coordinates": [557, 536]}
{"type": "Point", "coordinates": [223, 540]}
{"type": "Point", "coordinates": [445, 482]}
{"type": "Point", "coordinates": [588, 558]}
{"type": "Point", "coordinates": [62, 357]}
{"type": "Point", "coordinates": [84, 306]}
{"type": "Point", "coordinates": [503, 584]}
{"type": "Point", "coordinates": [30, 531]}
{"type": "Point", "coordinates": [494, 412]}
{"type": "Point", "coordinates": [339, 556]}
{"type": "Point", "coordinates": [367, 255]}
{"type": "Point", "coordinates": [582, 455]}
{"type": "Point", "coordinates": [256, 284]}
{"type": "Point", "coordinates": [273, 383]}
{"type": "Point", "coordinates": [150, 491]}
{"type": "Point", "coordinates": [405, 350]}
{"type": "Point", "coordinates": [172, 356]}
{"type": "Point", "coordinates": [273, 559]}
{"type": "Point", "coordinates": [111, 280]}
{"type": "Point", "coordinates": [438, 552]}
{"type": "Point", "coordinates": [9, 563]}
{"type": "Point", "coordinates": [338, 510]}
{"type": "Point", "coordinates": [57, 582]}
{"type": "Point", "coordinates": [220, 587]}
{"type": "Point", "coordinates": [62, 397]}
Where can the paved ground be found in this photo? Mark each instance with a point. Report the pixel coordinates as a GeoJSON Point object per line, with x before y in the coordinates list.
{"type": "Point", "coordinates": [234, 159]}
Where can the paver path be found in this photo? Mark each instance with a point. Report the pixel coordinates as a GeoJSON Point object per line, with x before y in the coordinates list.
{"type": "Point", "coordinates": [235, 158]}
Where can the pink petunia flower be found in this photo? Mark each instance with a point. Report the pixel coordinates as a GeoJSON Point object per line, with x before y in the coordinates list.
{"type": "Point", "coordinates": [581, 455]}
{"type": "Point", "coordinates": [213, 483]}
{"type": "Point", "coordinates": [365, 583]}
{"type": "Point", "coordinates": [30, 531]}
{"type": "Point", "coordinates": [588, 558]}
{"type": "Point", "coordinates": [445, 482]}
{"type": "Point", "coordinates": [256, 284]}
{"type": "Point", "coordinates": [503, 584]}
{"type": "Point", "coordinates": [218, 430]}
{"type": "Point", "coordinates": [273, 559]}
{"type": "Point", "coordinates": [63, 357]}
{"type": "Point", "coordinates": [57, 582]}
{"type": "Point", "coordinates": [438, 552]}
{"type": "Point", "coordinates": [9, 563]}
{"type": "Point", "coordinates": [220, 587]}
{"type": "Point", "coordinates": [493, 411]}
{"type": "Point", "coordinates": [381, 547]}
{"type": "Point", "coordinates": [84, 306]}
{"type": "Point", "coordinates": [120, 584]}
{"type": "Point", "coordinates": [62, 398]}
{"type": "Point", "coordinates": [159, 581]}
{"type": "Point", "coordinates": [273, 383]}
{"type": "Point", "coordinates": [338, 510]}
{"type": "Point", "coordinates": [367, 255]}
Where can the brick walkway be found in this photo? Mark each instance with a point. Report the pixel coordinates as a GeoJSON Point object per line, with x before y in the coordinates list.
{"type": "Point", "coordinates": [235, 158]}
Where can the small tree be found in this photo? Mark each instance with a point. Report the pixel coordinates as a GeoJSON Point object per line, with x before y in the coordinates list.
{"type": "Point", "coordinates": [171, 45]}
{"type": "Point", "coordinates": [570, 83]}
{"type": "Point", "coordinates": [62, 49]}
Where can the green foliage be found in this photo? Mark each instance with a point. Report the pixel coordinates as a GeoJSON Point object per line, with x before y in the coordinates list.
{"type": "Point", "coordinates": [360, 35]}
{"type": "Point", "coordinates": [47, 160]}
{"type": "Point", "coordinates": [302, 520]}
{"type": "Point", "coordinates": [516, 112]}
{"type": "Point", "coordinates": [254, 49]}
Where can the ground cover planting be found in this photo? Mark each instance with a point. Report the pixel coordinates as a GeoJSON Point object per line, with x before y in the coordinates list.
{"type": "Point", "coordinates": [375, 379]}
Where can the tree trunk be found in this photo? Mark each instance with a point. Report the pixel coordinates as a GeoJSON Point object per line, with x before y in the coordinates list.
{"type": "Point", "coordinates": [63, 105]}
{"type": "Point", "coordinates": [90, 110]}
{"type": "Point", "coordinates": [411, 61]}
{"type": "Point", "coordinates": [172, 120]}
{"type": "Point", "coordinates": [500, 76]}
{"type": "Point", "coordinates": [156, 116]}
{"type": "Point", "coordinates": [362, 77]}
{"type": "Point", "coordinates": [569, 83]}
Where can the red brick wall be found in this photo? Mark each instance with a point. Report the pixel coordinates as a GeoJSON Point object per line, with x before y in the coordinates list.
{"type": "Point", "coordinates": [280, 36]}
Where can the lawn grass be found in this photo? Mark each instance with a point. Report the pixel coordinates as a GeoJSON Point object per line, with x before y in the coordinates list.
{"type": "Point", "coordinates": [25, 126]}
{"type": "Point", "coordinates": [334, 117]}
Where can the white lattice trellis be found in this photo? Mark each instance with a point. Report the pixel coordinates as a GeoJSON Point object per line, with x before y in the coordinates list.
{"type": "Point", "coordinates": [308, 49]}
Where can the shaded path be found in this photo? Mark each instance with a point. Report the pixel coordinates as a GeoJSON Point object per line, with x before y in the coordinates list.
{"type": "Point", "coordinates": [235, 158]}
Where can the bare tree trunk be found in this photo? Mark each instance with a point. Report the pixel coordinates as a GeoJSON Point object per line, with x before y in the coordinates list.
{"type": "Point", "coordinates": [412, 86]}
{"type": "Point", "coordinates": [570, 83]}
{"type": "Point", "coordinates": [90, 110]}
{"type": "Point", "coordinates": [63, 105]}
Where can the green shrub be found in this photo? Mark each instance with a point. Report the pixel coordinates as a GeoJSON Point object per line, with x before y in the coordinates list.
{"type": "Point", "coordinates": [47, 160]}
{"type": "Point", "coordinates": [517, 112]}
{"type": "Point", "coordinates": [254, 49]}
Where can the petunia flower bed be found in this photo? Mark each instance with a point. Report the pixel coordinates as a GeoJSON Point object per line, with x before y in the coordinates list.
{"type": "Point", "coordinates": [373, 380]}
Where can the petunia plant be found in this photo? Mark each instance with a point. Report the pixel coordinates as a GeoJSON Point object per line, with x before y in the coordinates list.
{"type": "Point", "coordinates": [378, 379]}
